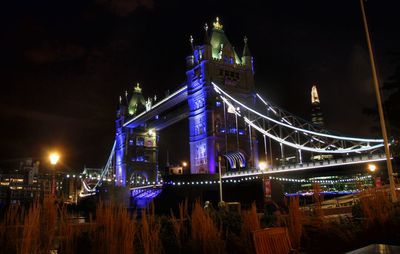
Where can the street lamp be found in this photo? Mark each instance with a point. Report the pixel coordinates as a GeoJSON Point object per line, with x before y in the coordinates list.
{"type": "Point", "coordinates": [221, 203]}
{"type": "Point", "coordinates": [372, 168]}
{"type": "Point", "coordinates": [54, 157]}
{"type": "Point", "coordinates": [184, 164]}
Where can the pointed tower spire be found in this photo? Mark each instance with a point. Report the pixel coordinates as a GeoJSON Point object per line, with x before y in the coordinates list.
{"type": "Point", "coordinates": [206, 37]}
{"type": "Point", "coordinates": [246, 50]}
{"type": "Point", "coordinates": [247, 59]}
{"type": "Point", "coordinates": [191, 42]}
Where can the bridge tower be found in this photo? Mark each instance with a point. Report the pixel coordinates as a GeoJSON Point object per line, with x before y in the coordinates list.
{"type": "Point", "coordinates": [213, 128]}
{"type": "Point", "coordinates": [136, 148]}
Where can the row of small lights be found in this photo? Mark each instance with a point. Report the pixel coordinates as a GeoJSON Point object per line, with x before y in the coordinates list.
{"type": "Point", "coordinates": [211, 182]}
{"type": "Point", "coordinates": [343, 180]}
{"type": "Point", "coordinates": [233, 180]}
{"type": "Point", "coordinates": [310, 193]}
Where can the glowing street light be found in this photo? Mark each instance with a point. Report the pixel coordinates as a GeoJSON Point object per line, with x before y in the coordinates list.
{"type": "Point", "coordinates": [184, 164]}
{"type": "Point", "coordinates": [54, 157]}
{"type": "Point", "coordinates": [372, 167]}
{"type": "Point", "coordinates": [262, 165]}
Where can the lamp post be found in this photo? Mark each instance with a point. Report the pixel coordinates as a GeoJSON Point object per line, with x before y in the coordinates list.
{"type": "Point", "coordinates": [184, 165]}
{"type": "Point", "coordinates": [221, 201]}
{"type": "Point", "coordinates": [54, 158]}
{"type": "Point", "coordinates": [380, 108]}
{"type": "Point", "coordinates": [373, 169]}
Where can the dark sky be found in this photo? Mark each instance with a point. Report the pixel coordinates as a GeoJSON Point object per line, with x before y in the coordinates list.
{"type": "Point", "coordinates": [64, 63]}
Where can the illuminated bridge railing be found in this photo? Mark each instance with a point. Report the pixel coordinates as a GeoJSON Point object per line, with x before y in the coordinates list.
{"type": "Point", "coordinates": [149, 191]}
{"type": "Point", "coordinates": [308, 165]}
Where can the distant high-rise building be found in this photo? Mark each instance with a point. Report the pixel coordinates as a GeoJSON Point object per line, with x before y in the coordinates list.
{"type": "Point", "coordinates": [318, 119]}
{"type": "Point", "coordinates": [316, 113]}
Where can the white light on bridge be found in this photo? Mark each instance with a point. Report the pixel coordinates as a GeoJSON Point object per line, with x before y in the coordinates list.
{"type": "Point", "coordinates": [262, 165]}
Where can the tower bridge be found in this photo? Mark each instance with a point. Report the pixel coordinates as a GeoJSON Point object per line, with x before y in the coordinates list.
{"type": "Point", "coordinates": [228, 122]}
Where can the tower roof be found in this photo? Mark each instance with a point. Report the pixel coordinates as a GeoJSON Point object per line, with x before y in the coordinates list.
{"type": "Point", "coordinates": [219, 41]}
{"type": "Point", "coordinates": [137, 103]}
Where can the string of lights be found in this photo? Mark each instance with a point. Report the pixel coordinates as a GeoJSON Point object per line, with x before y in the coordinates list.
{"type": "Point", "coordinates": [138, 184]}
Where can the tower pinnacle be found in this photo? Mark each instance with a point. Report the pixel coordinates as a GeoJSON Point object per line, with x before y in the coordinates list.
{"type": "Point", "coordinates": [217, 25]}
{"type": "Point", "coordinates": [246, 50]}
{"type": "Point", "coordinates": [206, 37]}
{"type": "Point", "coordinates": [137, 88]}
{"type": "Point", "coordinates": [314, 95]}
{"type": "Point", "coordinates": [191, 41]}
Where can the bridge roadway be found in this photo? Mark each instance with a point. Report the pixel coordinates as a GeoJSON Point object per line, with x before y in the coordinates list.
{"type": "Point", "coordinates": [212, 179]}
{"type": "Point", "coordinates": [308, 165]}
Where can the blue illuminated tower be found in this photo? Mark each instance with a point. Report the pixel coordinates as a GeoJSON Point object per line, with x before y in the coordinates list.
{"type": "Point", "coordinates": [120, 140]}
{"type": "Point", "coordinates": [136, 148]}
{"type": "Point", "coordinates": [214, 131]}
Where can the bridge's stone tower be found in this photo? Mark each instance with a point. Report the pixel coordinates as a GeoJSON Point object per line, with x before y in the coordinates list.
{"type": "Point", "coordinates": [136, 148]}
{"type": "Point", "coordinates": [213, 131]}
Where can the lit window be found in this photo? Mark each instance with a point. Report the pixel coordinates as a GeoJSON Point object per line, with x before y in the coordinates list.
{"type": "Point", "coordinates": [140, 141]}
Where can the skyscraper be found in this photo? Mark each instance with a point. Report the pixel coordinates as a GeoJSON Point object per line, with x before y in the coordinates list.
{"type": "Point", "coordinates": [316, 113]}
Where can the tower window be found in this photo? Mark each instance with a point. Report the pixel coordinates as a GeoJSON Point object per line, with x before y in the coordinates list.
{"type": "Point", "coordinates": [140, 141]}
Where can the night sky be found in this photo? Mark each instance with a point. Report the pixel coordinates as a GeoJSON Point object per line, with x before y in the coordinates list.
{"type": "Point", "coordinates": [64, 63]}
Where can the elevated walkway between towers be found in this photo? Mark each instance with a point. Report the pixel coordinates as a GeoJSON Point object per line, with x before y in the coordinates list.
{"type": "Point", "coordinates": [163, 113]}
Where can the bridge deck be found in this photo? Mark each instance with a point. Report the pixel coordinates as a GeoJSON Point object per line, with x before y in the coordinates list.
{"type": "Point", "coordinates": [308, 165]}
